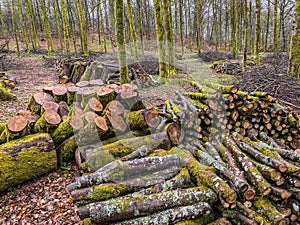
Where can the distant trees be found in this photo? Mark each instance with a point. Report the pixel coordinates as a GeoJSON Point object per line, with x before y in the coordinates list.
{"type": "Point", "coordinates": [190, 24]}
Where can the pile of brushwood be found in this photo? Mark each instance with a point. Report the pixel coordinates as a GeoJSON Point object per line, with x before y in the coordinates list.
{"type": "Point", "coordinates": [212, 56]}
{"type": "Point", "coordinates": [6, 85]}
{"type": "Point", "coordinates": [228, 67]}
{"type": "Point", "coordinates": [213, 156]}
{"type": "Point", "coordinates": [271, 76]}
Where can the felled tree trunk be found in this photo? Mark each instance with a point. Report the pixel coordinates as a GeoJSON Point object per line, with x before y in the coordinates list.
{"type": "Point", "coordinates": [127, 208]}
{"type": "Point", "coordinates": [25, 159]}
{"type": "Point", "coordinates": [115, 189]}
{"type": "Point", "coordinates": [97, 156]}
{"type": "Point", "coordinates": [66, 150]}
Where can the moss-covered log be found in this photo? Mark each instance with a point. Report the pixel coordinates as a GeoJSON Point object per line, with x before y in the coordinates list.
{"type": "Point", "coordinates": [180, 181]}
{"type": "Point", "coordinates": [112, 190]}
{"type": "Point", "coordinates": [127, 208]}
{"type": "Point", "coordinates": [63, 131]}
{"type": "Point", "coordinates": [16, 127]}
{"type": "Point", "coordinates": [49, 106]}
{"type": "Point", "coordinates": [63, 110]}
{"type": "Point", "coordinates": [220, 221]}
{"type": "Point", "coordinates": [171, 216]}
{"type": "Point", "coordinates": [36, 102]}
{"type": "Point", "coordinates": [204, 176]}
{"type": "Point", "coordinates": [66, 150]}
{"type": "Point", "coordinates": [121, 170]}
{"type": "Point", "coordinates": [97, 156]}
{"type": "Point", "coordinates": [59, 93]}
{"type": "Point", "coordinates": [267, 209]}
{"type": "Point", "coordinates": [47, 123]}
{"type": "Point", "coordinates": [105, 95]}
{"type": "Point", "coordinates": [130, 98]}
{"type": "Point", "coordinates": [25, 159]}
{"type": "Point", "coordinates": [262, 186]}
{"type": "Point", "coordinates": [6, 95]}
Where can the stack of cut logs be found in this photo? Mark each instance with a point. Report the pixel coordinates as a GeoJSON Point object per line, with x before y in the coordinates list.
{"type": "Point", "coordinates": [6, 85]}
{"type": "Point", "coordinates": [245, 175]}
{"type": "Point", "coordinates": [213, 156]}
{"type": "Point", "coordinates": [228, 67]}
{"type": "Point", "coordinates": [71, 69]}
{"type": "Point", "coordinates": [78, 69]}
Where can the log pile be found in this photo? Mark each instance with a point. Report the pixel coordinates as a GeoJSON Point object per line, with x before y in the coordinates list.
{"type": "Point", "coordinates": [6, 85]}
{"type": "Point", "coordinates": [228, 67]}
{"type": "Point", "coordinates": [71, 69]}
{"type": "Point", "coordinates": [230, 173]}
{"type": "Point", "coordinates": [214, 156]}
{"type": "Point", "coordinates": [78, 69]}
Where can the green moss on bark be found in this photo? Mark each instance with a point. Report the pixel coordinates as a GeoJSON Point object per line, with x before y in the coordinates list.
{"type": "Point", "coordinates": [25, 159]}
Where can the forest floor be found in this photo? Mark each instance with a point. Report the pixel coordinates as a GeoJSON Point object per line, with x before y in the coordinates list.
{"type": "Point", "coordinates": [45, 200]}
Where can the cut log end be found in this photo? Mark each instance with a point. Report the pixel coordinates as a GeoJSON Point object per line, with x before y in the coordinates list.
{"type": "Point", "coordinates": [17, 123]}
{"type": "Point", "coordinates": [101, 123]}
{"type": "Point", "coordinates": [95, 104]}
{"type": "Point", "coordinates": [52, 117]}
{"type": "Point", "coordinates": [76, 123]}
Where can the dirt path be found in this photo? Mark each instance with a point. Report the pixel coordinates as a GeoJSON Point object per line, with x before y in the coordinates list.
{"type": "Point", "coordinates": [32, 76]}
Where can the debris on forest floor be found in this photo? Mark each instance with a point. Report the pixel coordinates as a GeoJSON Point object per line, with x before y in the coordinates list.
{"type": "Point", "coordinates": [227, 67]}
{"type": "Point", "coordinates": [211, 56]}
{"type": "Point", "coordinates": [31, 77]}
{"type": "Point", "coordinates": [271, 76]}
{"type": "Point", "coordinates": [42, 201]}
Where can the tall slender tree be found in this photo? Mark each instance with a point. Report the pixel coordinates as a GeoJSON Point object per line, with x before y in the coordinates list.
{"type": "Point", "coordinates": [57, 22]}
{"type": "Point", "coordinates": [163, 71]}
{"type": "Point", "coordinates": [169, 35]}
{"type": "Point", "coordinates": [181, 24]}
{"type": "Point", "coordinates": [23, 29]}
{"type": "Point", "coordinates": [294, 65]}
{"type": "Point", "coordinates": [47, 28]}
{"type": "Point", "coordinates": [198, 25]}
{"type": "Point", "coordinates": [120, 33]}
{"type": "Point", "coordinates": [267, 25]}
{"type": "Point", "coordinates": [65, 25]}
{"type": "Point", "coordinates": [257, 30]}
{"type": "Point", "coordinates": [3, 26]}
{"type": "Point", "coordinates": [132, 29]}
{"type": "Point", "coordinates": [83, 29]}
{"type": "Point", "coordinates": [275, 28]}
{"type": "Point", "coordinates": [14, 27]}
{"type": "Point", "coordinates": [246, 30]}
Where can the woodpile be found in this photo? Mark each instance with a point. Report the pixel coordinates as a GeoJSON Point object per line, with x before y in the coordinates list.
{"type": "Point", "coordinates": [228, 67]}
{"type": "Point", "coordinates": [71, 69]}
{"type": "Point", "coordinates": [78, 69]}
{"type": "Point", "coordinates": [234, 172]}
{"type": "Point", "coordinates": [6, 85]}
{"type": "Point", "coordinates": [214, 156]}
